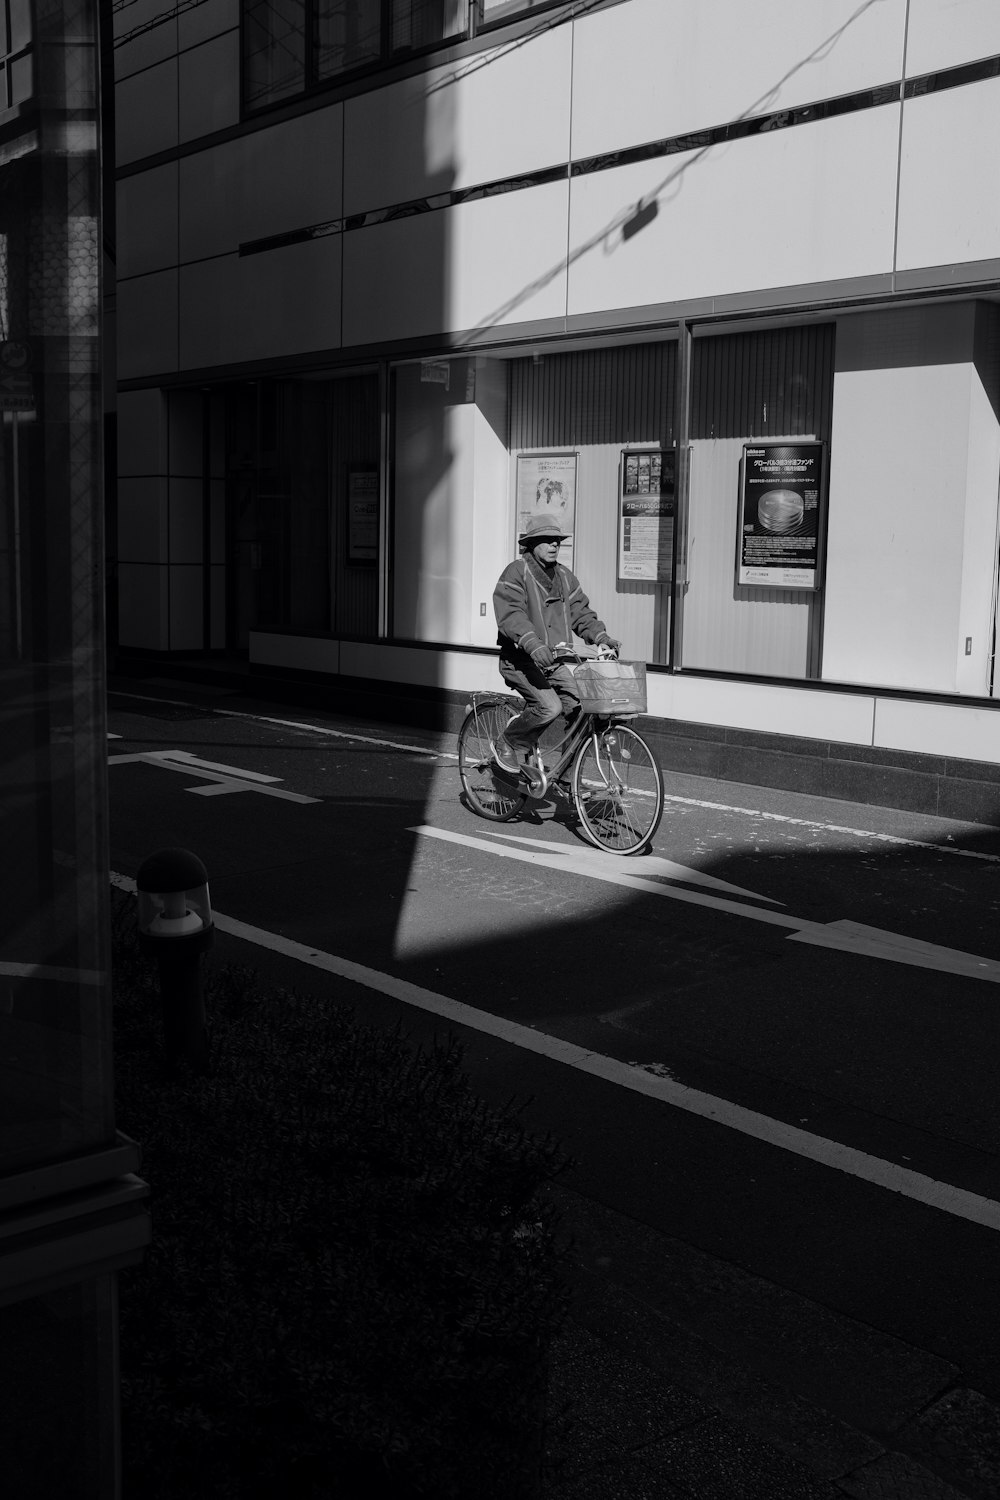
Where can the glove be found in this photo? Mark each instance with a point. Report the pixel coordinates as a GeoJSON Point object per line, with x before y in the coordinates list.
{"type": "Point", "coordinates": [610, 642]}
{"type": "Point", "coordinates": [543, 657]}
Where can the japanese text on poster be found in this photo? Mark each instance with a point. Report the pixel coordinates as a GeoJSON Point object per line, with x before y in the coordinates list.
{"type": "Point", "coordinates": [646, 513]}
{"type": "Point", "coordinates": [547, 482]}
{"type": "Point", "coordinates": [362, 515]}
{"type": "Point", "coordinates": [780, 515]}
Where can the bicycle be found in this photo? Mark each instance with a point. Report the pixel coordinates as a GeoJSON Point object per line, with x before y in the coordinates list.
{"type": "Point", "coordinates": [614, 782]}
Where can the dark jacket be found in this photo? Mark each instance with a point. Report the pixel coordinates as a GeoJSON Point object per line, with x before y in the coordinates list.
{"type": "Point", "coordinates": [536, 609]}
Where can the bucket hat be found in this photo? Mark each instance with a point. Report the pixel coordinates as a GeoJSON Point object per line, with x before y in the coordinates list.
{"type": "Point", "coordinates": [545, 524]}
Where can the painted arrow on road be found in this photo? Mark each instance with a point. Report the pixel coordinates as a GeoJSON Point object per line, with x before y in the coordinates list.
{"type": "Point", "coordinates": [846, 936]}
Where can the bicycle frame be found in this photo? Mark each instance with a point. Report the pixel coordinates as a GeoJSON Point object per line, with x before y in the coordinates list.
{"type": "Point", "coordinates": [587, 726]}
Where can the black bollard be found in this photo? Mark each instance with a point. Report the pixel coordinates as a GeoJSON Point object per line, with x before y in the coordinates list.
{"type": "Point", "coordinates": [176, 928]}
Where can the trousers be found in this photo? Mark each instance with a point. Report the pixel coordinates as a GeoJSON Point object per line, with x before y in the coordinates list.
{"type": "Point", "coordinates": [545, 697]}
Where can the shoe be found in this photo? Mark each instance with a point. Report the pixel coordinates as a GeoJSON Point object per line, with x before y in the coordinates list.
{"type": "Point", "coordinates": [505, 757]}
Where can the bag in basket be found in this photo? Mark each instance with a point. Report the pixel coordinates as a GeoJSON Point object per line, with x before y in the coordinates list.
{"type": "Point", "coordinates": [611, 687]}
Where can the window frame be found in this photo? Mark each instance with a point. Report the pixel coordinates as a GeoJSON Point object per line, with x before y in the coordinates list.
{"type": "Point", "coordinates": [476, 24]}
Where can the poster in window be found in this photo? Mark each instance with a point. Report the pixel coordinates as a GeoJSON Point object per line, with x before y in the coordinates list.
{"type": "Point", "coordinates": [780, 510]}
{"type": "Point", "coordinates": [547, 482]}
{"type": "Point", "coordinates": [362, 515]}
{"type": "Point", "coordinates": [646, 514]}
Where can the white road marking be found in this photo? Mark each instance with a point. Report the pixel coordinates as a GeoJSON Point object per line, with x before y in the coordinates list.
{"type": "Point", "coordinates": [424, 751]}
{"type": "Point", "coordinates": [223, 779]}
{"type": "Point", "coordinates": [858, 833]}
{"type": "Point", "coordinates": [50, 972]}
{"type": "Point", "coordinates": [873, 1169]}
{"type": "Point", "coordinates": [650, 864]}
{"type": "Point", "coordinates": [866, 942]}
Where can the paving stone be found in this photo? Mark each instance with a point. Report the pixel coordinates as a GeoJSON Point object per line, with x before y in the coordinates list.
{"type": "Point", "coordinates": [714, 1460]}
{"type": "Point", "coordinates": [637, 1477]}
{"type": "Point", "coordinates": [868, 1379]}
{"type": "Point", "coordinates": [960, 1432]}
{"type": "Point", "coordinates": [896, 1477]}
{"type": "Point", "coordinates": [823, 1444]}
{"type": "Point", "coordinates": [604, 1404]}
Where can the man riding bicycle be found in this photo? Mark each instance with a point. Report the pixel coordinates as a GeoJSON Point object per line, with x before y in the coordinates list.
{"type": "Point", "coordinates": [540, 605]}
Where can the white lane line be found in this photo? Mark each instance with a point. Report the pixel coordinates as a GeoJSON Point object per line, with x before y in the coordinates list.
{"type": "Point", "coordinates": [423, 750]}
{"type": "Point", "coordinates": [873, 1169]}
{"type": "Point", "coordinates": [49, 972]}
{"type": "Point", "coordinates": [650, 864]}
{"type": "Point", "coordinates": [866, 942]}
{"type": "Point", "coordinates": [336, 734]}
{"type": "Point", "coordinates": [858, 833]}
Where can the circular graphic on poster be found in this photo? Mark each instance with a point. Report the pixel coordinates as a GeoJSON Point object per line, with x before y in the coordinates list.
{"type": "Point", "coordinates": [780, 512]}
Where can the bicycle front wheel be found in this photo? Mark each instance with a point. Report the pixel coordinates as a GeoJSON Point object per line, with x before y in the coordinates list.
{"type": "Point", "coordinates": [617, 790]}
{"type": "Point", "coordinates": [489, 792]}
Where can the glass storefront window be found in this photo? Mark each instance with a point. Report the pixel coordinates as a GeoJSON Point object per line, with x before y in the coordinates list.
{"type": "Point", "coordinates": [292, 448]}
{"type": "Point", "coordinates": [774, 384]}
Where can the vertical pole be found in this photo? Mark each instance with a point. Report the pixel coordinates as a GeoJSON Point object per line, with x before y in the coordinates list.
{"type": "Point", "coordinates": [206, 521]}
{"type": "Point", "coordinates": [384, 564]}
{"type": "Point", "coordinates": [684, 351]}
{"type": "Point", "coordinates": [16, 486]}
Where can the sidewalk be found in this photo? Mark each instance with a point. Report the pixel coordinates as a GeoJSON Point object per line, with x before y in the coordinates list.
{"type": "Point", "coordinates": [687, 1377]}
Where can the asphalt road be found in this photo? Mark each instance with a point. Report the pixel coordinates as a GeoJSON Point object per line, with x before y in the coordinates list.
{"type": "Point", "coordinates": [812, 987]}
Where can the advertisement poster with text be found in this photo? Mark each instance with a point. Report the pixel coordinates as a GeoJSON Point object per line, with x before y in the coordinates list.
{"type": "Point", "coordinates": [646, 515]}
{"type": "Point", "coordinates": [362, 515]}
{"type": "Point", "coordinates": [780, 512]}
{"type": "Point", "coordinates": [547, 482]}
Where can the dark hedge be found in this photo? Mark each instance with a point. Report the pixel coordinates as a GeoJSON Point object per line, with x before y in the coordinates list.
{"type": "Point", "coordinates": [354, 1280]}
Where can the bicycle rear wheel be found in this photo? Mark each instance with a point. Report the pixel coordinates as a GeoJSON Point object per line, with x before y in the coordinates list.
{"type": "Point", "coordinates": [617, 790]}
{"type": "Point", "coordinates": [490, 792]}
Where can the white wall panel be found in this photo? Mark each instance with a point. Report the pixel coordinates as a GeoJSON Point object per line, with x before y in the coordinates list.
{"type": "Point", "coordinates": [209, 86]}
{"type": "Point", "coordinates": [304, 653]}
{"type": "Point", "coordinates": [147, 325]}
{"type": "Point", "coordinates": [945, 32]}
{"type": "Point", "coordinates": [147, 221]}
{"type": "Point", "coordinates": [142, 432]}
{"type": "Point", "coordinates": [845, 718]}
{"type": "Point", "coordinates": [809, 204]}
{"type": "Point", "coordinates": [279, 179]}
{"type": "Point", "coordinates": [186, 604]}
{"type": "Point", "coordinates": [257, 306]}
{"type": "Point", "coordinates": [648, 70]}
{"type": "Point", "coordinates": [455, 671]}
{"type": "Point", "coordinates": [898, 480]}
{"type": "Point", "coordinates": [962, 733]}
{"type": "Point", "coordinates": [979, 544]}
{"type": "Point", "coordinates": [142, 520]}
{"type": "Point", "coordinates": [142, 606]}
{"type": "Point", "coordinates": [491, 262]}
{"type": "Point", "coordinates": [186, 526]}
{"type": "Point", "coordinates": [485, 117]}
{"type": "Point", "coordinates": [146, 113]}
{"type": "Point", "coordinates": [949, 210]}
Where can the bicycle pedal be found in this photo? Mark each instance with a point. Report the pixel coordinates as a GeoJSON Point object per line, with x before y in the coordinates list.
{"type": "Point", "coordinates": [537, 781]}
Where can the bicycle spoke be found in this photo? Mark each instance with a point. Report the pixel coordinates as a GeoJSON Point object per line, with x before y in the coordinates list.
{"type": "Point", "coordinates": [618, 790]}
{"type": "Point", "coordinates": [489, 791]}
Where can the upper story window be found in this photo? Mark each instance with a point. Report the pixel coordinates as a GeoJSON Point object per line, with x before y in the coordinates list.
{"type": "Point", "coordinates": [16, 61]}
{"type": "Point", "coordinates": [291, 46]}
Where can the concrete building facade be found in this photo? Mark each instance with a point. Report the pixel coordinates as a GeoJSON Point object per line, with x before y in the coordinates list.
{"type": "Point", "coordinates": [720, 277]}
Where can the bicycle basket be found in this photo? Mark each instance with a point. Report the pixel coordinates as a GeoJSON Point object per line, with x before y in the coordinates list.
{"type": "Point", "coordinates": [611, 687]}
